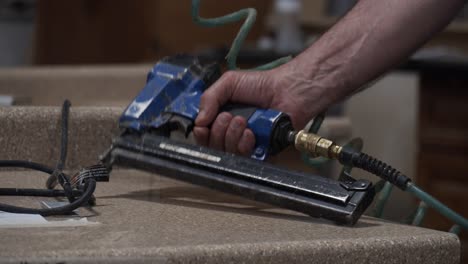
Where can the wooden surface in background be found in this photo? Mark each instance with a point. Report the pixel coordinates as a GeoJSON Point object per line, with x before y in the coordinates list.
{"type": "Point", "coordinates": [123, 31]}
{"type": "Point", "coordinates": [443, 151]}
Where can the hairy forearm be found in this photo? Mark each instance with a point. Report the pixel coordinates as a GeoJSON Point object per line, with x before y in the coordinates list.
{"type": "Point", "coordinates": [373, 37]}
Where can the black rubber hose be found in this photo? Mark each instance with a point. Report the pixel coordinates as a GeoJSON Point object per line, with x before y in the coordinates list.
{"type": "Point", "coordinates": [64, 136]}
{"type": "Point", "coordinates": [89, 188]}
{"type": "Point", "coordinates": [374, 166]}
{"type": "Point", "coordinates": [36, 192]}
{"type": "Point", "coordinates": [57, 174]}
{"type": "Point", "coordinates": [27, 165]}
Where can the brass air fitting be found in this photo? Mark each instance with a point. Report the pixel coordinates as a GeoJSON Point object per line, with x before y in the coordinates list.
{"type": "Point", "coordinates": [316, 146]}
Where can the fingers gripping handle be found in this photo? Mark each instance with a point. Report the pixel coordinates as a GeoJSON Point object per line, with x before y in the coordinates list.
{"type": "Point", "coordinates": [269, 126]}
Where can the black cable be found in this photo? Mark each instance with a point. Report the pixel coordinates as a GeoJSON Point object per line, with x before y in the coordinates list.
{"type": "Point", "coordinates": [36, 192]}
{"type": "Point", "coordinates": [64, 136]}
{"type": "Point", "coordinates": [90, 186]}
{"type": "Point", "coordinates": [27, 165]}
{"type": "Point", "coordinates": [57, 174]}
{"type": "Point", "coordinates": [85, 194]}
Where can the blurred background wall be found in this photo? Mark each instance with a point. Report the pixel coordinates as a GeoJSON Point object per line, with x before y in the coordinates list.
{"type": "Point", "coordinates": [17, 25]}
{"type": "Point", "coordinates": [122, 31]}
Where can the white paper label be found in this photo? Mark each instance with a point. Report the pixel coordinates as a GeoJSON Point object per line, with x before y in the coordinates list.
{"type": "Point", "coordinates": [193, 153]}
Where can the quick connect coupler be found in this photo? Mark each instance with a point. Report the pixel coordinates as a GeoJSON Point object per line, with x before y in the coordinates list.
{"type": "Point", "coordinates": [317, 146]}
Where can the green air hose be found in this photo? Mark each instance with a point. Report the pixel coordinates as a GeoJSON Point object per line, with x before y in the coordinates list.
{"type": "Point", "coordinates": [351, 157]}
{"type": "Point", "coordinates": [249, 14]}
{"type": "Point", "coordinates": [437, 205]}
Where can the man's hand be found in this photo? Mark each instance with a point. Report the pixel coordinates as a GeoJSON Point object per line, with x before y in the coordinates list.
{"type": "Point", "coordinates": [280, 89]}
{"type": "Point", "coordinates": [369, 40]}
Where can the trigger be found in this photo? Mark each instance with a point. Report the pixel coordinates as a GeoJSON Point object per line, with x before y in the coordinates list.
{"type": "Point", "coordinates": [181, 125]}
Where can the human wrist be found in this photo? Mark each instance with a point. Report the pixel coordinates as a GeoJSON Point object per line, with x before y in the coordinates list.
{"type": "Point", "coordinates": [318, 80]}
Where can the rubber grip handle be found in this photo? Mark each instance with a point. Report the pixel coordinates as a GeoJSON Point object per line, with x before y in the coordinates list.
{"type": "Point", "coordinates": [246, 111]}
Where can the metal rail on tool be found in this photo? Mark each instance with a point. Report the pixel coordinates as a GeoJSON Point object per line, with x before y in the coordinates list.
{"type": "Point", "coordinates": [341, 202]}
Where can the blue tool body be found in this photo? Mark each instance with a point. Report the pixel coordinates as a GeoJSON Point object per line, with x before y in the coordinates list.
{"type": "Point", "coordinates": [172, 92]}
{"type": "Point", "coordinates": [170, 101]}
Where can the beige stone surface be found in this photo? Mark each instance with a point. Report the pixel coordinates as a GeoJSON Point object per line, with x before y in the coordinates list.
{"type": "Point", "coordinates": [145, 218]}
{"type": "Point", "coordinates": [33, 133]}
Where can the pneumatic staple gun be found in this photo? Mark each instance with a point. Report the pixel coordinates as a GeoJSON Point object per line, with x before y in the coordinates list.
{"type": "Point", "coordinates": [169, 102]}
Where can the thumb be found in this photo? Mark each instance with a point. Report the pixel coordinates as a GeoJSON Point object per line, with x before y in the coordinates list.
{"type": "Point", "coordinates": [216, 96]}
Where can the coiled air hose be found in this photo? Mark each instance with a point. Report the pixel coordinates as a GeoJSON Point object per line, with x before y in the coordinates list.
{"type": "Point", "coordinates": [386, 172]}
{"type": "Point", "coordinates": [249, 14]}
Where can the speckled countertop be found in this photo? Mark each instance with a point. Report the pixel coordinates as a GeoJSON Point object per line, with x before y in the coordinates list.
{"type": "Point", "coordinates": [33, 133]}
{"type": "Point", "coordinates": [145, 218]}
